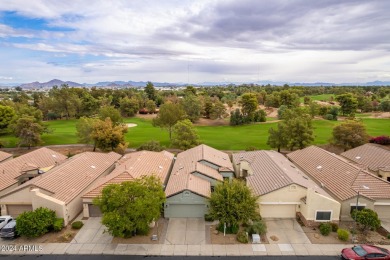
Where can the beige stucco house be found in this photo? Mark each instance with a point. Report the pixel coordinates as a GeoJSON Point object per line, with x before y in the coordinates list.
{"type": "Point", "coordinates": [15, 172]}
{"type": "Point", "coordinates": [284, 191]}
{"type": "Point", "coordinates": [344, 181]}
{"type": "Point", "coordinates": [131, 166]}
{"type": "Point", "coordinates": [61, 188]}
{"type": "Point", "coordinates": [371, 157]}
{"type": "Point", "coordinates": [195, 173]}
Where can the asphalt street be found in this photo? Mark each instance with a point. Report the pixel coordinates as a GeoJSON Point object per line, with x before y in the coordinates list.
{"type": "Point", "coordinates": [138, 257]}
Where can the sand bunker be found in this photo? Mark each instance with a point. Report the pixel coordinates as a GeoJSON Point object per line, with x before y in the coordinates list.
{"type": "Point", "coordinates": [131, 125]}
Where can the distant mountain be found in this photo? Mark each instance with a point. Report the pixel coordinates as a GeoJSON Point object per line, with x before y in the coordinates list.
{"type": "Point", "coordinates": [49, 84]}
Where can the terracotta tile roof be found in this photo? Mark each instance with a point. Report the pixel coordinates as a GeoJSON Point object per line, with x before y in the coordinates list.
{"type": "Point", "coordinates": [272, 171]}
{"type": "Point", "coordinates": [4, 156]}
{"type": "Point", "coordinates": [338, 176]}
{"type": "Point", "coordinates": [187, 162]}
{"type": "Point", "coordinates": [372, 156]}
{"type": "Point", "coordinates": [72, 177]}
{"type": "Point", "coordinates": [133, 166]}
{"type": "Point", "coordinates": [41, 158]}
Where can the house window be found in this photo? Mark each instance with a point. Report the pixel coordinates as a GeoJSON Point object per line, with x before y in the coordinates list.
{"type": "Point", "coordinates": [323, 215]}
{"type": "Point", "coordinates": [244, 173]}
{"type": "Point", "coordinates": [388, 179]}
{"type": "Point", "coordinates": [358, 208]}
{"type": "Point", "coordinates": [212, 188]}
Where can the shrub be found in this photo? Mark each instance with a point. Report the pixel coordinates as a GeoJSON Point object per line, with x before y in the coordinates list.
{"type": "Point", "coordinates": [208, 217]}
{"type": "Point", "coordinates": [77, 225]}
{"type": "Point", "coordinates": [229, 229]}
{"type": "Point", "coordinates": [328, 117]}
{"type": "Point", "coordinates": [335, 227]}
{"type": "Point", "coordinates": [242, 237]}
{"type": "Point", "coordinates": [342, 234]}
{"type": "Point", "coordinates": [151, 146]}
{"type": "Point", "coordinates": [258, 227]}
{"type": "Point", "coordinates": [367, 219]}
{"type": "Point", "coordinates": [383, 140]}
{"type": "Point", "coordinates": [58, 224]}
{"type": "Point", "coordinates": [325, 228]}
{"type": "Point", "coordinates": [35, 223]}
{"type": "Point", "coordinates": [388, 236]}
{"type": "Point", "coordinates": [250, 148]}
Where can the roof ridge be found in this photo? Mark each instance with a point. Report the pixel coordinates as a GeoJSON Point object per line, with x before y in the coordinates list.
{"type": "Point", "coordinates": [267, 154]}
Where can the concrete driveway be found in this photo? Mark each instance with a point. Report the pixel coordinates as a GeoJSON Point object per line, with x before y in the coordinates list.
{"type": "Point", "coordinates": [186, 231]}
{"type": "Point", "coordinates": [92, 233]}
{"type": "Point", "coordinates": [288, 231]}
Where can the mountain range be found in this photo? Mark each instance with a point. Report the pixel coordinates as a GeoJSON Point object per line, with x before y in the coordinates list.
{"type": "Point", "coordinates": [57, 82]}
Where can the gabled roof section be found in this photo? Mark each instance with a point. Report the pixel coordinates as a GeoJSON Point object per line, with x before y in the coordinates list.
{"type": "Point", "coordinates": [68, 180]}
{"type": "Point", "coordinates": [272, 171]}
{"type": "Point", "coordinates": [41, 158]}
{"type": "Point", "coordinates": [372, 156]}
{"type": "Point", "coordinates": [4, 156]}
{"type": "Point", "coordinates": [190, 161]}
{"type": "Point", "coordinates": [338, 176]}
{"type": "Point", "coordinates": [133, 166]}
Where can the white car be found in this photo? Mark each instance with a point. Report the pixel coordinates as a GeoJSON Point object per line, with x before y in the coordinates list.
{"type": "Point", "coordinates": [4, 221]}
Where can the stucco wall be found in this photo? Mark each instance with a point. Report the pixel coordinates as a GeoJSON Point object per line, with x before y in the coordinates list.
{"type": "Point", "coordinates": [346, 206]}
{"type": "Point", "coordinates": [243, 165]}
{"type": "Point", "coordinates": [286, 194]}
{"type": "Point", "coordinates": [42, 200]}
{"type": "Point", "coordinates": [384, 174]}
{"type": "Point", "coordinates": [317, 202]}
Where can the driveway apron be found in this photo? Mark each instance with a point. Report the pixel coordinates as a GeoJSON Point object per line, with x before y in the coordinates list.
{"type": "Point", "coordinates": [288, 231]}
{"type": "Point", "coordinates": [92, 232]}
{"type": "Point", "coordinates": [186, 231]}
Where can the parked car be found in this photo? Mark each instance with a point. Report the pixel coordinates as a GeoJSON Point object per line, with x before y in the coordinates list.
{"type": "Point", "coordinates": [4, 220]}
{"type": "Point", "coordinates": [365, 252]}
{"type": "Point", "coordinates": [9, 230]}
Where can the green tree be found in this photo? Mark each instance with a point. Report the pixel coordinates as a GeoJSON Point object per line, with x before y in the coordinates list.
{"type": "Point", "coordinates": [348, 104]}
{"type": "Point", "coordinates": [349, 134]}
{"type": "Point", "coordinates": [28, 131]}
{"type": "Point", "coordinates": [232, 202]}
{"type": "Point", "coordinates": [385, 106]}
{"type": "Point", "coordinates": [150, 91]}
{"type": "Point", "coordinates": [289, 99]}
{"type": "Point", "coordinates": [192, 106]}
{"type": "Point", "coordinates": [299, 127]}
{"type": "Point", "coordinates": [367, 218]}
{"type": "Point", "coordinates": [129, 208]}
{"type": "Point", "coordinates": [218, 110]}
{"type": "Point", "coordinates": [112, 113]}
{"type": "Point", "coordinates": [84, 127]}
{"type": "Point", "coordinates": [128, 106]}
{"type": "Point", "coordinates": [7, 115]}
{"type": "Point", "coordinates": [66, 102]}
{"type": "Point", "coordinates": [249, 104]}
{"type": "Point", "coordinates": [278, 138]}
{"type": "Point", "coordinates": [108, 136]}
{"type": "Point", "coordinates": [151, 106]}
{"type": "Point", "coordinates": [184, 135]}
{"type": "Point", "coordinates": [168, 116]}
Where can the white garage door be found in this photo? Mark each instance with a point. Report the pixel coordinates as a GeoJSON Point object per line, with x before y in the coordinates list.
{"type": "Point", "coordinates": [383, 211]}
{"type": "Point", "coordinates": [16, 210]}
{"type": "Point", "coordinates": [277, 211]}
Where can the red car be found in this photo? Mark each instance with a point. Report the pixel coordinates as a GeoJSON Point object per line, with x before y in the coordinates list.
{"type": "Point", "coordinates": [365, 252]}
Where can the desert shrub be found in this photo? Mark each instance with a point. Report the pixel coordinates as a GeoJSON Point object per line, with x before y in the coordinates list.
{"type": "Point", "coordinates": [77, 225]}
{"type": "Point", "coordinates": [328, 117]}
{"type": "Point", "coordinates": [250, 148]}
{"type": "Point", "coordinates": [367, 219]}
{"type": "Point", "coordinates": [208, 217]}
{"type": "Point", "coordinates": [35, 223]}
{"type": "Point", "coordinates": [383, 140]}
{"type": "Point", "coordinates": [58, 224]}
{"type": "Point", "coordinates": [342, 234]}
{"type": "Point", "coordinates": [229, 229]}
{"type": "Point", "coordinates": [325, 229]}
{"type": "Point", "coordinates": [258, 227]}
{"type": "Point", "coordinates": [151, 146]}
{"type": "Point", "coordinates": [242, 237]}
{"type": "Point", "coordinates": [335, 227]}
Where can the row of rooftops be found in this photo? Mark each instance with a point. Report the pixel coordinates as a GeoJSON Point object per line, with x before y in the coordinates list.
{"type": "Point", "coordinates": [318, 169]}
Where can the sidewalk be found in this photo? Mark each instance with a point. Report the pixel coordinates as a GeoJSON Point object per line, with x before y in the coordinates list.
{"type": "Point", "coordinates": [182, 250]}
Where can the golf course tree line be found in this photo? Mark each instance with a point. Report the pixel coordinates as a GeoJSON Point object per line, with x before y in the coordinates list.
{"type": "Point", "coordinates": [23, 113]}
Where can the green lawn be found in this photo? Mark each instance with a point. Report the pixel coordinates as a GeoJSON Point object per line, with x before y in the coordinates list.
{"type": "Point", "coordinates": [220, 137]}
{"type": "Point", "coordinates": [321, 97]}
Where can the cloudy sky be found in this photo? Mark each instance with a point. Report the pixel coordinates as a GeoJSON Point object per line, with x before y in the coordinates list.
{"type": "Point", "coordinates": [195, 40]}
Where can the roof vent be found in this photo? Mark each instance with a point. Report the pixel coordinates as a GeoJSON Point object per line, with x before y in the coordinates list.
{"type": "Point", "coordinates": [93, 166]}
{"type": "Point", "coordinates": [322, 185]}
{"type": "Point", "coordinates": [53, 155]}
{"type": "Point", "coordinates": [160, 167]}
{"type": "Point", "coordinates": [366, 187]}
{"type": "Point", "coordinates": [357, 157]}
{"type": "Point", "coordinates": [319, 167]}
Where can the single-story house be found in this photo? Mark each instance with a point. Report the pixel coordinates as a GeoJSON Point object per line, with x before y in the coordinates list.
{"type": "Point", "coordinates": [195, 173]}
{"type": "Point", "coordinates": [284, 191]}
{"type": "Point", "coordinates": [131, 166]}
{"type": "Point", "coordinates": [61, 188]}
{"type": "Point", "coordinates": [5, 156]}
{"type": "Point", "coordinates": [346, 182]}
{"type": "Point", "coordinates": [15, 172]}
{"type": "Point", "coordinates": [372, 157]}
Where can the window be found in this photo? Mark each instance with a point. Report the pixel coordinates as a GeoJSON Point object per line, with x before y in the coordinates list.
{"type": "Point", "coordinates": [323, 215]}
{"type": "Point", "coordinates": [358, 208]}
{"type": "Point", "coordinates": [388, 179]}
{"type": "Point", "coordinates": [244, 173]}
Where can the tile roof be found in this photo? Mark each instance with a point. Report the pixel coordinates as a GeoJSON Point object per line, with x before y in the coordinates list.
{"type": "Point", "coordinates": [68, 180]}
{"type": "Point", "coordinates": [4, 156]}
{"type": "Point", "coordinates": [190, 161]}
{"type": "Point", "coordinates": [272, 171]}
{"type": "Point", "coordinates": [338, 176]}
{"type": "Point", "coordinates": [10, 170]}
{"type": "Point", "coordinates": [133, 166]}
{"type": "Point", "coordinates": [372, 156]}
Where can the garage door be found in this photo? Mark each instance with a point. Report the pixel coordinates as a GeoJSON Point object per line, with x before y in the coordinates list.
{"type": "Point", "coordinates": [185, 211]}
{"type": "Point", "coordinates": [16, 210]}
{"type": "Point", "coordinates": [94, 211]}
{"type": "Point", "coordinates": [383, 211]}
{"type": "Point", "coordinates": [277, 211]}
